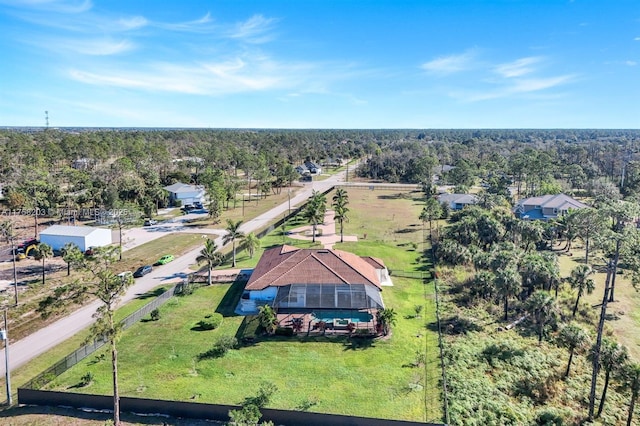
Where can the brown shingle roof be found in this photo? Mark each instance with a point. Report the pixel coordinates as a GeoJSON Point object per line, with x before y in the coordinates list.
{"type": "Point", "coordinates": [285, 265]}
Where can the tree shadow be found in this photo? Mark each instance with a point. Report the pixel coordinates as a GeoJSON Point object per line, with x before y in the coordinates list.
{"type": "Point", "coordinates": [152, 293]}
{"type": "Point", "coordinates": [500, 351]}
{"type": "Point", "coordinates": [355, 343]}
{"type": "Point", "coordinates": [455, 325]}
{"type": "Point", "coordinates": [406, 231]}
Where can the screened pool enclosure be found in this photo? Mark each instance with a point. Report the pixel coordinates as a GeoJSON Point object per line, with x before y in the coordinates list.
{"type": "Point", "coordinates": [328, 296]}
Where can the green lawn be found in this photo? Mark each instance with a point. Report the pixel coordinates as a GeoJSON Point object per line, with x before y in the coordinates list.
{"type": "Point", "coordinates": [336, 375]}
{"type": "Point", "coordinates": [23, 374]}
{"type": "Point", "coordinates": [372, 378]}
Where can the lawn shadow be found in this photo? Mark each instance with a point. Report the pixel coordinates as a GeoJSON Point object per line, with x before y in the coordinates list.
{"type": "Point", "coordinates": [247, 334]}
{"type": "Point", "coordinates": [355, 343]}
{"type": "Point", "coordinates": [151, 294]}
{"type": "Point", "coordinates": [405, 231]}
{"type": "Point", "coordinates": [228, 304]}
{"type": "Point", "coordinates": [97, 359]}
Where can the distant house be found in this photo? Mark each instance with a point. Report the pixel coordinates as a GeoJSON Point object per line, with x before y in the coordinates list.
{"type": "Point", "coordinates": [83, 163]}
{"type": "Point", "coordinates": [84, 237]}
{"type": "Point", "coordinates": [546, 207]}
{"type": "Point", "coordinates": [301, 169]}
{"type": "Point", "coordinates": [313, 167]}
{"type": "Point", "coordinates": [457, 201]}
{"type": "Point", "coordinates": [185, 193]}
{"type": "Point", "coordinates": [303, 281]}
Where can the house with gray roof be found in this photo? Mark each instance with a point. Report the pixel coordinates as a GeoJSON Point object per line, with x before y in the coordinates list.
{"type": "Point", "coordinates": [185, 193]}
{"type": "Point", "coordinates": [546, 207]}
{"type": "Point", "coordinates": [457, 201]}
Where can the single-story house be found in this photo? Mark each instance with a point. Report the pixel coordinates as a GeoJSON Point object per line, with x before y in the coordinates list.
{"type": "Point", "coordinates": [185, 193]}
{"type": "Point", "coordinates": [457, 201]}
{"type": "Point", "coordinates": [546, 207]}
{"type": "Point", "coordinates": [313, 167]}
{"type": "Point", "coordinates": [84, 237]}
{"type": "Point", "coordinates": [297, 280]}
{"type": "Point", "coordinates": [302, 169]}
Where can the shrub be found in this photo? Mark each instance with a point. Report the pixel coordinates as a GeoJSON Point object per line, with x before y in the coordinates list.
{"type": "Point", "coordinates": [224, 344]}
{"type": "Point", "coordinates": [155, 314]}
{"type": "Point", "coordinates": [86, 379]}
{"type": "Point", "coordinates": [211, 322]}
{"type": "Point", "coordinates": [220, 347]}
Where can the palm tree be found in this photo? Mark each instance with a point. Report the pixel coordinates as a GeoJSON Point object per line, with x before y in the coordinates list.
{"type": "Point", "coordinates": [209, 255]}
{"type": "Point", "coordinates": [314, 210]}
{"type": "Point", "coordinates": [631, 377]}
{"type": "Point", "coordinates": [6, 230]}
{"type": "Point", "coordinates": [579, 279]}
{"type": "Point", "coordinates": [341, 197]}
{"type": "Point", "coordinates": [267, 318]}
{"type": "Point", "coordinates": [507, 282]}
{"type": "Point", "coordinates": [233, 233]}
{"type": "Point", "coordinates": [386, 318]}
{"type": "Point", "coordinates": [574, 338]}
{"type": "Point", "coordinates": [43, 252]}
{"type": "Point", "coordinates": [340, 201]}
{"type": "Point", "coordinates": [613, 355]}
{"type": "Point", "coordinates": [340, 215]}
{"type": "Point", "coordinates": [543, 308]}
{"type": "Point", "coordinates": [251, 243]}
{"type": "Point", "coordinates": [71, 254]}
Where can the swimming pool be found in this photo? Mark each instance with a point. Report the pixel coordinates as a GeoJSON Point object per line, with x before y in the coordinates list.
{"type": "Point", "coordinates": [352, 316]}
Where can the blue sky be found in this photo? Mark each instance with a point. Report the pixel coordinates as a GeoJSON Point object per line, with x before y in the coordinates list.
{"type": "Point", "coordinates": [321, 63]}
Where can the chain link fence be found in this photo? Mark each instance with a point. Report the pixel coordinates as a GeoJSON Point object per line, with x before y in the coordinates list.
{"type": "Point", "coordinates": [84, 351]}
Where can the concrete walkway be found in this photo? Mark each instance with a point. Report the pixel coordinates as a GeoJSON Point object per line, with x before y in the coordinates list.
{"type": "Point", "coordinates": [326, 232]}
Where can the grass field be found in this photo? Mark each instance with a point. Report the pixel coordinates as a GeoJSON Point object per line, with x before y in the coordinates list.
{"type": "Point", "coordinates": [371, 378]}
{"type": "Point", "coordinates": [23, 374]}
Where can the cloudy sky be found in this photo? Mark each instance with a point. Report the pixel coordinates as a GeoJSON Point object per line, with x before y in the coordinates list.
{"type": "Point", "coordinates": [321, 63]}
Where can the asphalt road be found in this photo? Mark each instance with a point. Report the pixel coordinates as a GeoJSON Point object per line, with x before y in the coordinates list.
{"type": "Point", "coordinates": [22, 351]}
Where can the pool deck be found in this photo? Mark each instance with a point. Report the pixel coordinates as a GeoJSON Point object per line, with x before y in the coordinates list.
{"type": "Point", "coordinates": [309, 324]}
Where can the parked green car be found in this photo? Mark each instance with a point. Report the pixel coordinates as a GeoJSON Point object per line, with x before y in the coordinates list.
{"type": "Point", "coordinates": [165, 259]}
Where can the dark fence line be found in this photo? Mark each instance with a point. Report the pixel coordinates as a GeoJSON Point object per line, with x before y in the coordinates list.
{"type": "Point", "coordinates": [81, 353]}
{"type": "Point", "coordinates": [382, 187]}
{"type": "Point", "coordinates": [440, 339]}
{"type": "Point", "coordinates": [423, 275]}
{"type": "Point", "coordinates": [196, 410]}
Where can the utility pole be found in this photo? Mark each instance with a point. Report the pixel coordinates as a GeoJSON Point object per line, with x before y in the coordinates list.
{"type": "Point", "coordinates": [4, 336]}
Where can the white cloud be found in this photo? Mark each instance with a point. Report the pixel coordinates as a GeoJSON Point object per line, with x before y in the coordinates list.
{"type": "Point", "coordinates": [637, 39]}
{"type": "Point", "coordinates": [200, 25]}
{"type": "Point", "coordinates": [102, 47]}
{"type": "Point", "coordinates": [213, 78]}
{"type": "Point", "coordinates": [253, 29]}
{"type": "Point", "coordinates": [451, 64]}
{"type": "Point", "coordinates": [518, 68]}
{"type": "Point", "coordinates": [631, 63]}
{"type": "Point", "coordinates": [60, 6]}
{"type": "Point", "coordinates": [514, 87]}
{"type": "Point", "coordinates": [132, 23]}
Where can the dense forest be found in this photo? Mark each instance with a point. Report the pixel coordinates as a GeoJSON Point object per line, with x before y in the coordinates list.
{"type": "Point", "coordinates": [87, 168]}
